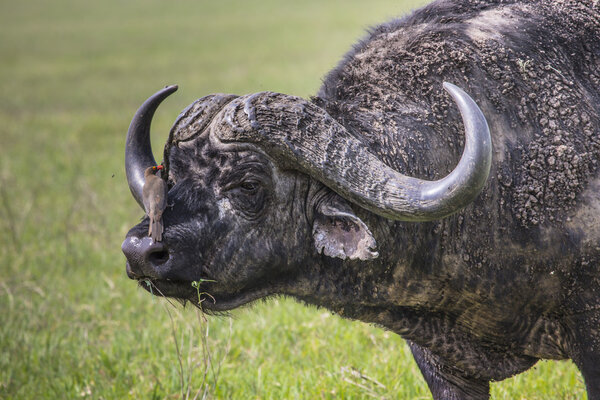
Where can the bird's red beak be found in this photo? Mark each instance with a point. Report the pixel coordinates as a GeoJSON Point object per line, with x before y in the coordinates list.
{"type": "Point", "coordinates": [160, 167]}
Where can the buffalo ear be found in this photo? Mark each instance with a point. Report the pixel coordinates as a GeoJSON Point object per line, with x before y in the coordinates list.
{"type": "Point", "coordinates": [338, 232]}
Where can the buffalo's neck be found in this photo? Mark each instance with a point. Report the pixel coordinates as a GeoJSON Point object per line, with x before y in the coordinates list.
{"type": "Point", "coordinates": [423, 273]}
{"type": "Point", "coordinates": [409, 271]}
{"type": "Point", "coordinates": [399, 278]}
{"type": "Point", "coordinates": [416, 289]}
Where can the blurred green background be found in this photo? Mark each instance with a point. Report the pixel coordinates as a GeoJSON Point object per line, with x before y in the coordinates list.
{"type": "Point", "coordinates": [72, 325]}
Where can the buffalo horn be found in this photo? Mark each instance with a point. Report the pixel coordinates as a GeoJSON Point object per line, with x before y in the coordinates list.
{"type": "Point", "coordinates": [300, 135]}
{"type": "Point", "coordinates": [138, 149]}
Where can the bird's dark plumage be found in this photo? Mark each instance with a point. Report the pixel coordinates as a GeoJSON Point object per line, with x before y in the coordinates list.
{"type": "Point", "coordinates": [155, 201]}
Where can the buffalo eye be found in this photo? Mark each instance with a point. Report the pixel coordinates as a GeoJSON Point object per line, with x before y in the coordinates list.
{"type": "Point", "coordinates": [249, 187]}
{"type": "Point", "coordinates": [248, 197]}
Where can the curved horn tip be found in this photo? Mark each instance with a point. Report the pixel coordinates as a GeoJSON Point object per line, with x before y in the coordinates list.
{"type": "Point", "coordinates": [138, 148]}
{"type": "Point", "coordinates": [453, 89]}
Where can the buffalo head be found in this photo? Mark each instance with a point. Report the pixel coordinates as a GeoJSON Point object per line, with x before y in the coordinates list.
{"type": "Point", "coordinates": [260, 186]}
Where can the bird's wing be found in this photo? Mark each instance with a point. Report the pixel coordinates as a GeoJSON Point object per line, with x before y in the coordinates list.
{"type": "Point", "coordinates": [155, 196]}
{"type": "Point", "coordinates": [163, 200]}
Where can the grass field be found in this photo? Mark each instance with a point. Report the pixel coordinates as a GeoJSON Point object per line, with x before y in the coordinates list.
{"type": "Point", "coordinates": [72, 325]}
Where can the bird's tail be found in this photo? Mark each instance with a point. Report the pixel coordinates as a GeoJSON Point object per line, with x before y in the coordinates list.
{"type": "Point", "coordinates": [155, 230]}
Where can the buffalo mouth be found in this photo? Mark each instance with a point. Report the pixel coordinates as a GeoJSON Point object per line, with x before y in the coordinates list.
{"type": "Point", "coordinates": [152, 264]}
{"type": "Point", "coordinates": [166, 288]}
{"type": "Point", "coordinates": [200, 294]}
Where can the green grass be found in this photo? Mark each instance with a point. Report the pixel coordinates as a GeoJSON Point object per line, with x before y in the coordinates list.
{"type": "Point", "coordinates": [71, 324]}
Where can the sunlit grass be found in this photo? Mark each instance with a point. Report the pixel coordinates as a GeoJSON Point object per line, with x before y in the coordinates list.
{"type": "Point", "coordinates": [71, 324]}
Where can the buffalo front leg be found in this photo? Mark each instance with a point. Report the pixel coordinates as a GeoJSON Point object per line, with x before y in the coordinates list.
{"type": "Point", "coordinates": [585, 351]}
{"type": "Point", "coordinates": [445, 383]}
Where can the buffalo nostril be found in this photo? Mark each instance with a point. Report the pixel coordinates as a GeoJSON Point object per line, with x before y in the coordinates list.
{"type": "Point", "coordinates": [145, 257]}
{"type": "Point", "coordinates": [158, 255]}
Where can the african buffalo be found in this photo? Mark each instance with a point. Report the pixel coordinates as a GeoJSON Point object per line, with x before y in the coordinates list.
{"type": "Point", "coordinates": [359, 200]}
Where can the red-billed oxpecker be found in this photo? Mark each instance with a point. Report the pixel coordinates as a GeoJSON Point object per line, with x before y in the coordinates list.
{"type": "Point", "coordinates": [155, 201]}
